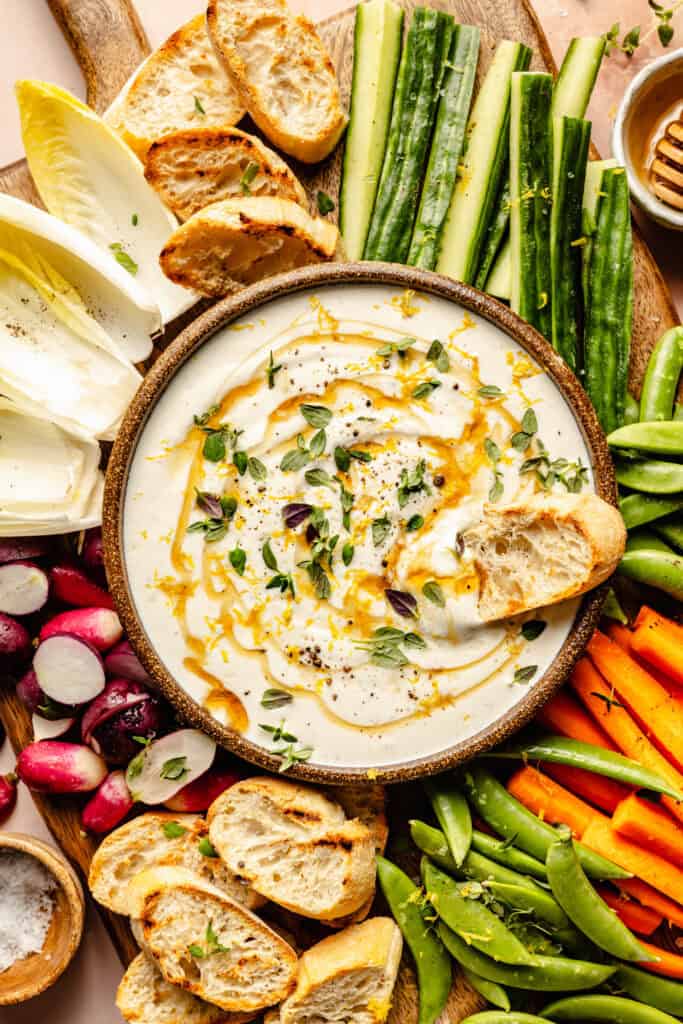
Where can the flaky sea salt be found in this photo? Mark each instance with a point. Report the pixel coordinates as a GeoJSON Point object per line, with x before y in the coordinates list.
{"type": "Point", "coordinates": [27, 891]}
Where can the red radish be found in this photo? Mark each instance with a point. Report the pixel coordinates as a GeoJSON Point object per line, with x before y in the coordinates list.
{"type": "Point", "coordinates": [38, 702]}
{"type": "Point", "coordinates": [68, 669]}
{"type": "Point", "coordinates": [50, 729]}
{"type": "Point", "coordinates": [99, 626]}
{"type": "Point", "coordinates": [72, 586]}
{"type": "Point", "coordinates": [8, 795]}
{"type": "Point", "coordinates": [52, 766]}
{"type": "Point", "coordinates": [109, 804]}
{"type": "Point", "coordinates": [21, 549]}
{"type": "Point", "coordinates": [23, 588]}
{"type": "Point", "coordinates": [200, 794]}
{"type": "Point", "coordinates": [93, 552]}
{"type": "Point", "coordinates": [167, 765]}
{"type": "Point", "coordinates": [122, 661]}
{"type": "Point", "coordinates": [120, 719]}
{"type": "Point", "coordinates": [15, 642]}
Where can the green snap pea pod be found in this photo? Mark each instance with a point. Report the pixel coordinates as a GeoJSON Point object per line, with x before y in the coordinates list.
{"type": "Point", "coordinates": [510, 819]}
{"type": "Point", "coordinates": [678, 411]}
{"type": "Point", "coordinates": [466, 915]}
{"type": "Point", "coordinates": [631, 409]}
{"type": "Point", "coordinates": [671, 531]}
{"type": "Point", "coordinates": [611, 609]}
{"type": "Point", "coordinates": [453, 814]}
{"type": "Point", "coordinates": [656, 438]}
{"type": "Point", "coordinates": [431, 959]}
{"type": "Point", "coordinates": [490, 990]}
{"type": "Point", "coordinates": [503, 853]}
{"type": "Point", "coordinates": [540, 902]}
{"type": "Point", "coordinates": [662, 993]}
{"type": "Point", "coordinates": [583, 906]}
{"type": "Point", "coordinates": [643, 539]}
{"type": "Point", "coordinates": [612, 1009]}
{"type": "Point", "coordinates": [475, 866]}
{"type": "Point", "coordinates": [493, 1017]}
{"type": "Point", "coordinates": [661, 377]}
{"type": "Point", "coordinates": [639, 509]}
{"type": "Point", "coordinates": [656, 569]}
{"type": "Point", "coordinates": [577, 754]}
{"type": "Point", "coordinates": [545, 974]}
{"type": "Point", "coordinates": [653, 476]}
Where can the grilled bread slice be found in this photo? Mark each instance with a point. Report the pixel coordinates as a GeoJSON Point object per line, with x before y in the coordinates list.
{"type": "Point", "coordinates": [283, 73]}
{"type": "Point", "coordinates": [347, 977]}
{"type": "Point", "coordinates": [192, 169]}
{"type": "Point", "coordinates": [368, 804]}
{"type": "Point", "coordinates": [240, 241]}
{"type": "Point", "coordinates": [294, 846]}
{"type": "Point", "coordinates": [157, 839]}
{"type": "Point", "coordinates": [181, 85]}
{"type": "Point", "coordinates": [543, 550]}
{"type": "Point", "coordinates": [145, 997]}
{"type": "Point", "coordinates": [209, 944]}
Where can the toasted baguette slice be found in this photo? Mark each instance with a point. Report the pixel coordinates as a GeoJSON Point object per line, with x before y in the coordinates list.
{"type": "Point", "coordinates": [148, 841]}
{"type": "Point", "coordinates": [295, 847]}
{"type": "Point", "coordinates": [192, 169]}
{"type": "Point", "coordinates": [242, 241]}
{"type": "Point", "coordinates": [181, 85]}
{"type": "Point", "coordinates": [209, 944]}
{"type": "Point", "coordinates": [145, 997]}
{"type": "Point", "coordinates": [283, 73]}
{"type": "Point", "coordinates": [544, 550]}
{"type": "Point", "coordinates": [368, 804]}
{"type": "Point", "coordinates": [347, 977]}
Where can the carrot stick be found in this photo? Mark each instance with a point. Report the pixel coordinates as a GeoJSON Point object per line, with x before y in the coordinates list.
{"type": "Point", "coordinates": [599, 699]}
{"type": "Point", "coordinates": [669, 964]}
{"type": "Point", "coordinates": [657, 713]}
{"type": "Point", "coordinates": [597, 789]}
{"type": "Point", "coordinates": [624, 637]}
{"type": "Point", "coordinates": [636, 917]}
{"type": "Point", "coordinates": [649, 897]}
{"type": "Point", "coordinates": [620, 634]}
{"type": "Point", "coordinates": [649, 826]}
{"type": "Point", "coordinates": [659, 641]}
{"type": "Point", "coordinates": [549, 801]}
{"type": "Point", "coordinates": [660, 873]}
{"type": "Point", "coordinates": [562, 714]}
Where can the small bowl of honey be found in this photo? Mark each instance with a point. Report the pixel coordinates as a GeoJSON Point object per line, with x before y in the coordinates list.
{"type": "Point", "coordinates": [647, 139]}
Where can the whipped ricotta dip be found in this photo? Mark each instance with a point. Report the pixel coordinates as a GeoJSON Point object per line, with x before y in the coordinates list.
{"type": "Point", "coordinates": [293, 522]}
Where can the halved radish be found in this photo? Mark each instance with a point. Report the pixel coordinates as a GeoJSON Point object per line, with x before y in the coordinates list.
{"type": "Point", "coordinates": [51, 766]}
{"type": "Point", "coordinates": [37, 701]}
{"type": "Point", "coordinates": [19, 549]}
{"type": "Point", "coordinates": [68, 669]}
{"type": "Point", "coordinates": [93, 552]}
{"type": "Point", "coordinates": [200, 794]}
{"type": "Point", "coordinates": [169, 764]}
{"type": "Point", "coordinates": [15, 642]}
{"type": "Point", "coordinates": [50, 729]}
{"type": "Point", "coordinates": [72, 586]}
{"type": "Point", "coordinates": [8, 795]}
{"type": "Point", "coordinates": [122, 661]}
{"type": "Point", "coordinates": [23, 588]}
{"type": "Point", "coordinates": [109, 804]}
{"type": "Point", "coordinates": [101, 627]}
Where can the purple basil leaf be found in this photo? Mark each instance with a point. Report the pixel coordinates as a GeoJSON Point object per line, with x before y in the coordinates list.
{"type": "Point", "coordinates": [403, 604]}
{"type": "Point", "coordinates": [210, 503]}
{"type": "Point", "coordinates": [295, 514]}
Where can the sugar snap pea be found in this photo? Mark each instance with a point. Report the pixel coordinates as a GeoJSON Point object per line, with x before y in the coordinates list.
{"type": "Point", "coordinates": [431, 959]}
{"type": "Point", "coordinates": [661, 376]}
{"type": "Point", "coordinates": [611, 1009]}
{"type": "Point", "coordinates": [510, 819]}
{"type": "Point", "coordinates": [611, 609]}
{"type": "Point", "coordinates": [493, 1017]}
{"type": "Point", "coordinates": [654, 476]}
{"type": "Point", "coordinates": [475, 866]}
{"type": "Point", "coordinates": [643, 539]}
{"type": "Point", "coordinates": [670, 530]}
{"type": "Point", "coordinates": [662, 993]}
{"type": "Point", "coordinates": [656, 569]}
{"type": "Point", "coordinates": [577, 754]}
{"type": "Point", "coordinates": [631, 409]}
{"type": "Point", "coordinates": [678, 411]}
{"type": "Point", "coordinates": [545, 974]}
{"type": "Point", "coordinates": [639, 509]}
{"type": "Point", "coordinates": [654, 438]}
{"type": "Point", "coordinates": [469, 918]}
{"type": "Point", "coordinates": [583, 906]}
{"type": "Point", "coordinates": [490, 990]}
{"type": "Point", "coordinates": [538, 901]}
{"type": "Point", "coordinates": [505, 853]}
{"type": "Point", "coordinates": [452, 813]}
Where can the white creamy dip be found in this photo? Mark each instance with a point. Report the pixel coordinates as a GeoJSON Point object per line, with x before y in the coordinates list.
{"type": "Point", "coordinates": [349, 462]}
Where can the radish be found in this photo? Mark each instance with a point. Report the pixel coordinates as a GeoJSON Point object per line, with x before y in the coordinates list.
{"type": "Point", "coordinates": [72, 586]}
{"type": "Point", "coordinates": [122, 661]}
{"type": "Point", "coordinates": [200, 794]}
{"type": "Point", "coordinates": [52, 766]}
{"type": "Point", "coordinates": [19, 549]}
{"type": "Point", "coordinates": [8, 795]}
{"type": "Point", "coordinates": [99, 626]}
{"type": "Point", "coordinates": [167, 765]}
{"type": "Point", "coordinates": [123, 716]}
{"type": "Point", "coordinates": [109, 804]}
{"type": "Point", "coordinates": [15, 642]}
{"type": "Point", "coordinates": [23, 588]}
{"type": "Point", "coordinates": [93, 552]}
{"type": "Point", "coordinates": [37, 702]}
{"type": "Point", "coordinates": [68, 669]}
{"type": "Point", "coordinates": [50, 729]}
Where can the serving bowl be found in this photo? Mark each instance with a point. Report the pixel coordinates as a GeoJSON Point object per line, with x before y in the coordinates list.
{"type": "Point", "coordinates": [147, 483]}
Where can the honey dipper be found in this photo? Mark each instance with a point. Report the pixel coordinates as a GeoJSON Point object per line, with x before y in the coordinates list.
{"type": "Point", "coordinates": [666, 172]}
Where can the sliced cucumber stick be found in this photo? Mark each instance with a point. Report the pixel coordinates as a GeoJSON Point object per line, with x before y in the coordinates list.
{"type": "Point", "coordinates": [499, 281]}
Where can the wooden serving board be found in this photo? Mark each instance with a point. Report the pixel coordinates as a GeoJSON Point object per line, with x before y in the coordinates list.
{"type": "Point", "coordinates": [108, 42]}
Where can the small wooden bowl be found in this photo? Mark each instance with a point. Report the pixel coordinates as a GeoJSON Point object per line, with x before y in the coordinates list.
{"type": "Point", "coordinates": [36, 973]}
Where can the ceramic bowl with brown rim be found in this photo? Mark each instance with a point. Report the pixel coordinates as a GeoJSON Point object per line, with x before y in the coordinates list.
{"type": "Point", "coordinates": [283, 517]}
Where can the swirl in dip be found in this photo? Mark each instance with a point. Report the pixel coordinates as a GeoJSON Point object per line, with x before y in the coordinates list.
{"type": "Point", "coordinates": [293, 516]}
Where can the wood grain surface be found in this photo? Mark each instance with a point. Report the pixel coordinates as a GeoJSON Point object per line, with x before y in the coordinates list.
{"type": "Point", "coordinates": [109, 42]}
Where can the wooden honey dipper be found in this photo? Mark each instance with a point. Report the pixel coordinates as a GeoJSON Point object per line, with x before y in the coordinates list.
{"type": "Point", "coordinates": [666, 172]}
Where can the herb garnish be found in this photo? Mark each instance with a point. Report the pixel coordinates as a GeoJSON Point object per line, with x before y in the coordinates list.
{"type": "Point", "coordinates": [250, 172]}
{"type": "Point", "coordinates": [322, 549]}
{"type": "Point", "coordinates": [318, 444]}
{"type": "Point", "coordinates": [173, 829]}
{"type": "Point", "coordinates": [238, 560]}
{"type": "Point", "coordinates": [572, 475]}
{"type": "Point", "coordinates": [415, 523]}
{"type": "Point", "coordinates": [525, 674]}
{"type": "Point", "coordinates": [425, 389]}
{"type": "Point", "coordinates": [206, 848]}
{"type": "Point", "coordinates": [438, 355]}
{"type": "Point", "coordinates": [289, 754]}
{"type": "Point", "coordinates": [243, 463]}
{"type": "Point", "coordinates": [347, 499]}
{"type": "Point", "coordinates": [412, 482]}
{"type": "Point", "coordinates": [347, 553]}
{"type": "Point", "coordinates": [325, 204]}
{"type": "Point", "coordinates": [400, 347]}
{"type": "Point", "coordinates": [532, 629]}
{"type": "Point", "coordinates": [317, 416]}
{"type": "Point", "coordinates": [433, 592]}
{"type": "Point", "coordinates": [296, 513]}
{"type": "Point", "coordinates": [385, 646]}
{"type": "Point", "coordinates": [493, 454]}
{"type": "Point", "coordinates": [198, 106]}
{"type": "Point", "coordinates": [523, 438]}
{"type": "Point", "coordinates": [319, 478]}
{"type": "Point", "coordinates": [217, 438]}
{"type": "Point", "coordinates": [275, 699]}
{"type": "Point", "coordinates": [343, 457]}
{"type": "Point", "coordinates": [282, 581]}
{"type": "Point", "coordinates": [297, 457]}
{"type": "Point", "coordinates": [220, 509]}
{"type": "Point", "coordinates": [610, 701]}
{"type": "Point", "coordinates": [271, 370]}
{"type": "Point", "coordinates": [380, 529]}
{"type": "Point", "coordinates": [402, 602]}
{"type": "Point", "coordinates": [135, 220]}
{"type": "Point", "coordinates": [490, 391]}
{"type": "Point", "coordinates": [174, 768]}
{"type": "Point", "coordinates": [124, 258]}
{"type": "Point", "coordinates": [212, 945]}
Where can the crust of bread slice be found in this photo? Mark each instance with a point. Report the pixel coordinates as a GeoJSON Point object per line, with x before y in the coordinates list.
{"type": "Point", "coordinates": [143, 843]}
{"type": "Point", "coordinates": [145, 997]}
{"type": "Point", "coordinates": [240, 241]}
{"type": "Point", "coordinates": [546, 549]}
{"type": "Point", "coordinates": [182, 85]}
{"type": "Point", "coordinates": [348, 976]}
{"type": "Point", "coordinates": [295, 846]}
{"type": "Point", "coordinates": [192, 169]}
{"type": "Point", "coordinates": [283, 73]}
{"type": "Point", "coordinates": [210, 945]}
{"type": "Point", "coordinates": [368, 804]}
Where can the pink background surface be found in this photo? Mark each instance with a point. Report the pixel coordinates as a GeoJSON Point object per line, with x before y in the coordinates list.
{"type": "Point", "coordinates": [35, 48]}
